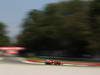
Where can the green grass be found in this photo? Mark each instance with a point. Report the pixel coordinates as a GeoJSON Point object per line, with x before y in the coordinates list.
{"type": "Point", "coordinates": [33, 58]}
{"type": "Point", "coordinates": [41, 58]}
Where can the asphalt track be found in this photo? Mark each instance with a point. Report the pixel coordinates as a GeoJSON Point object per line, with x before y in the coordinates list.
{"type": "Point", "coordinates": [23, 69]}
{"type": "Point", "coordinates": [11, 60]}
{"type": "Point", "coordinates": [14, 66]}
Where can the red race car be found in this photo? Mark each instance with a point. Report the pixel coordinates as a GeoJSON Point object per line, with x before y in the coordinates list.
{"type": "Point", "coordinates": [57, 63]}
{"type": "Point", "coordinates": [52, 62]}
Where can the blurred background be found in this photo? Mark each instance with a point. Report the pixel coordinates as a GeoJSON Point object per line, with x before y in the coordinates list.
{"type": "Point", "coordinates": [57, 28]}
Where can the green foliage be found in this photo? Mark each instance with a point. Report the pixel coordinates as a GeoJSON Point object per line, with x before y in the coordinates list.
{"type": "Point", "coordinates": [94, 23]}
{"type": "Point", "coordinates": [4, 40]}
{"type": "Point", "coordinates": [61, 27]}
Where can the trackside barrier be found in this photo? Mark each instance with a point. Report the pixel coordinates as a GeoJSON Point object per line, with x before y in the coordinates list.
{"type": "Point", "coordinates": [63, 63]}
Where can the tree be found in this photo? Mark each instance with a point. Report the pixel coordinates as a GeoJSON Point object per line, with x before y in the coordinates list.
{"type": "Point", "coordinates": [59, 27]}
{"type": "Point", "coordinates": [94, 23]}
{"type": "Point", "coordinates": [4, 39]}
